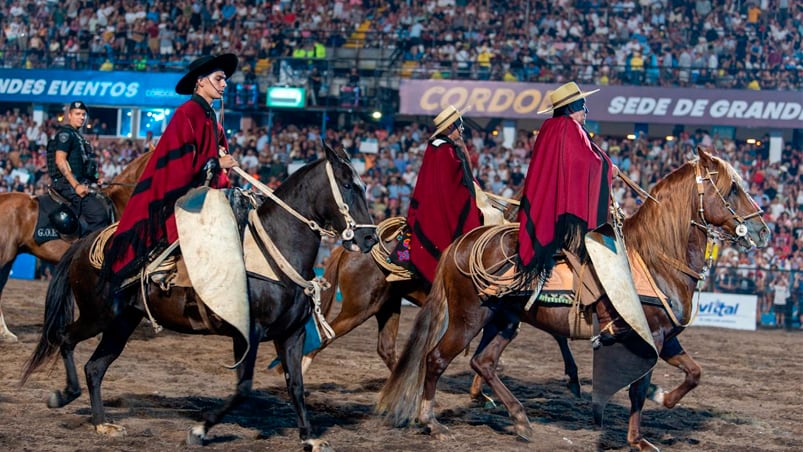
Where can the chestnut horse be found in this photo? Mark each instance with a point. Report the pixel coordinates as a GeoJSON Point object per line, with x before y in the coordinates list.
{"type": "Point", "coordinates": [366, 293]}
{"type": "Point", "coordinates": [324, 194]}
{"type": "Point", "coordinates": [20, 213]}
{"type": "Point", "coordinates": [696, 205]}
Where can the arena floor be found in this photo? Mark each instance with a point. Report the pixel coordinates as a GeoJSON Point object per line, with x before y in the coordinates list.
{"type": "Point", "coordinates": [749, 397]}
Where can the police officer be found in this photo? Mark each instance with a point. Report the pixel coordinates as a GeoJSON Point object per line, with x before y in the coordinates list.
{"type": "Point", "coordinates": [73, 166]}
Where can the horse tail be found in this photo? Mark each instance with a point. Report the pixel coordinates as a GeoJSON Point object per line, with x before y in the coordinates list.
{"type": "Point", "coordinates": [59, 313]}
{"type": "Point", "coordinates": [400, 398]}
{"type": "Point", "coordinates": [331, 273]}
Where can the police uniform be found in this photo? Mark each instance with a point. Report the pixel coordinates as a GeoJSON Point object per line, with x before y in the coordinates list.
{"type": "Point", "coordinates": [84, 167]}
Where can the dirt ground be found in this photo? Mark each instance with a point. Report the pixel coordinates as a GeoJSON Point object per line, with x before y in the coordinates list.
{"type": "Point", "coordinates": [749, 398]}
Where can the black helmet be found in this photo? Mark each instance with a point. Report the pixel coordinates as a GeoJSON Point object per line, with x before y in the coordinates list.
{"type": "Point", "coordinates": [64, 220]}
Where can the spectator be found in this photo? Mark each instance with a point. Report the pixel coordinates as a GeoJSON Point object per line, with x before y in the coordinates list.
{"type": "Point", "coordinates": [781, 293]}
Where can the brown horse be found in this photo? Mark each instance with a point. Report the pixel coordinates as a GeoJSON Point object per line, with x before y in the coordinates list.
{"type": "Point", "coordinates": [20, 213]}
{"type": "Point", "coordinates": [366, 293]}
{"type": "Point", "coordinates": [323, 194]}
{"type": "Point", "coordinates": [697, 204]}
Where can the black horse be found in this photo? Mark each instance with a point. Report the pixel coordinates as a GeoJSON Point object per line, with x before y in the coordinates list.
{"type": "Point", "coordinates": [327, 192]}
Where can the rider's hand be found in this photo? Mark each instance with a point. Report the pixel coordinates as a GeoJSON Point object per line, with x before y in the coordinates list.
{"type": "Point", "coordinates": [82, 190]}
{"type": "Point", "coordinates": [227, 161]}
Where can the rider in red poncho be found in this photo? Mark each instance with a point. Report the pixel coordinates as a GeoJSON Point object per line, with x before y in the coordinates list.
{"type": "Point", "coordinates": [443, 206]}
{"type": "Point", "coordinates": [192, 138]}
{"type": "Point", "coordinates": [567, 187]}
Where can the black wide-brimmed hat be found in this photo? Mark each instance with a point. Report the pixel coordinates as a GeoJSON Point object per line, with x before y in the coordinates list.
{"type": "Point", "coordinates": [204, 66]}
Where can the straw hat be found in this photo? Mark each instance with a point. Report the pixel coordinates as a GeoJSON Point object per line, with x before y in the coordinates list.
{"type": "Point", "coordinates": [565, 95]}
{"type": "Point", "coordinates": [204, 66]}
{"type": "Point", "coordinates": [444, 119]}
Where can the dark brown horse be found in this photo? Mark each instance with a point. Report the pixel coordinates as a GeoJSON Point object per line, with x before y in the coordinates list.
{"type": "Point", "coordinates": [323, 194]}
{"type": "Point", "coordinates": [20, 214]}
{"type": "Point", "coordinates": [697, 204]}
{"type": "Point", "coordinates": [366, 293]}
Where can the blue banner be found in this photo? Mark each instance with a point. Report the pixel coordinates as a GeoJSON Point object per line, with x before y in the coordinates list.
{"type": "Point", "coordinates": [112, 89]}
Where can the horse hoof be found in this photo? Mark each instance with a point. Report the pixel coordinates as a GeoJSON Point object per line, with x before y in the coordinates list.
{"type": "Point", "coordinates": [524, 432]}
{"type": "Point", "coordinates": [574, 388]}
{"type": "Point", "coordinates": [196, 436]}
{"type": "Point", "coordinates": [656, 394]}
{"type": "Point", "coordinates": [439, 432]}
{"type": "Point", "coordinates": [59, 399]}
{"type": "Point", "coordinates": [111, 430]}
{"type": "Point", "coordinates": [485, 401]}
{"type": "Point", "coordinates": [7, 337]}
{"type": "Point", "coordinates": [645, 446]}
{"type": "Point", "coordinates": [443, 436]}
{"type": "Point", "coordinates": [317, 445]}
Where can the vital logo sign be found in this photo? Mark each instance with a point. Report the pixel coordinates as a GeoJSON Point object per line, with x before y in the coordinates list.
{"type": "Point", "coordinates": [719, 308]}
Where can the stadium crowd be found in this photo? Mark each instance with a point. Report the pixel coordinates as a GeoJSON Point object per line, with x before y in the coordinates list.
{"type": "Point", "coordinates": [749, 44]}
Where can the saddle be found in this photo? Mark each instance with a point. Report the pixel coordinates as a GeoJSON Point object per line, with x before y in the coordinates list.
{"type": "Point", "coordinates": [216, 218]}
{"type": "Point", "coordinates": [54, 211]}
{"type": "Point", "coordinates": [572, 282]}
{"type": "Point", "coordinates": [51, 203]}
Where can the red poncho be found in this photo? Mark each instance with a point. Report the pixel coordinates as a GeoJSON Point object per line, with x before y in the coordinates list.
{"type": "Point", "coordinates": [443, 206]}
{"type": "Point", "coordinates": [191, 138]}
{"type": "Point", "coordinates": [566, 193]}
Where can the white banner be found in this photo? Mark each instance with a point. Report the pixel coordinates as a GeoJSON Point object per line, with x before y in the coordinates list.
{"type": "Point", "coordinates": [725, 310]}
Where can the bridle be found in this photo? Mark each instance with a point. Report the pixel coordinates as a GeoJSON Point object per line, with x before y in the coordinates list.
{"type": "Point", "coordinates": [712, 233]}
{"type": "Point", "coordinates": [347, 234]}
{"type": "Point", "coordinates": [741, 228]}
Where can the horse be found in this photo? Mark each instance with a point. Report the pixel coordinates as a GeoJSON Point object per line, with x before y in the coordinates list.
{"type": "Point", "coordinates": [367, 293]}
{"type": "Point", "coordinates": [21, 214]}
{"type": "Point", "coordinates": [690, 209]}
{"type": "Point", "coordinates": [325, 196]}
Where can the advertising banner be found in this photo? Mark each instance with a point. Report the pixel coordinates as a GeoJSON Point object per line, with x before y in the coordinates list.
{"type": "Point", "coordinates": [113, 88]}
{"type": "Point", "coordinates": [725, 310]}
{"type": "Point", "coordinates": [776, 109]}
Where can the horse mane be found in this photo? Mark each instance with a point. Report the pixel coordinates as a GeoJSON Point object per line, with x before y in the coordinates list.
{"type": "Point", "coordinates": [667, 222]}
{"type": "Point", "coordinates": [300, 173]}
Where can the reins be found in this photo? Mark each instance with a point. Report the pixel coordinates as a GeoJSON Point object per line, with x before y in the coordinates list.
{"type": "Point", "coordinates": [314, 286]}
{"type": "Point", "coordinates": [351, 225]}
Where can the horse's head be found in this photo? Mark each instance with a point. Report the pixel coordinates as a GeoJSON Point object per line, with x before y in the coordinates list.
{"type": "Point", "coordinates": [353, 220]}
{"type": "Point", "coordinates": [724, 203]}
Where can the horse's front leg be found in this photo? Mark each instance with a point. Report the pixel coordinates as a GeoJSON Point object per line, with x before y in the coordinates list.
{"type": "Point", "coordinates": [108, 350]}
{"type": "Point", "coordinates": [673, 354]}
{"type": "Point", "coordinates": [638, 394]}
{"type": "Point", "coordinates": [72, 389]}
{"type": "Point", "coordinates": [387, 320]}
{"type": "Point", "coordinates": [290, 351]}
{"type": "Point", "coordinates": [5, 334]}
{"type": "Point", "coordinates": [484, 362]}
{"type": "Point", "coordinates": [569, 365]}
{"type": "Point", "coordinates": [245, 382]}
